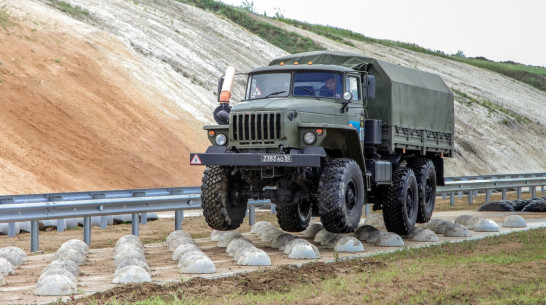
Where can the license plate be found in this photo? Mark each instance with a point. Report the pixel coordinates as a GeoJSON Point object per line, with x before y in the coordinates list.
{"type": "Point", "coordinates": [276, 158]}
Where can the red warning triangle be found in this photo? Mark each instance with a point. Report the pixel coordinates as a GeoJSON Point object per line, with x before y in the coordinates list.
{"type": "Point", "coordinates": [195, 160]}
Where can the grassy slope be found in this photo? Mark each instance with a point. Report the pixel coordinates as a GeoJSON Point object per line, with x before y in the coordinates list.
{"type": "Point", "coordinates": [532, 75]}
{"type": "Point", "coordinates": [294, 43]}
{"type": "Point", "coordinates": [288, 41]}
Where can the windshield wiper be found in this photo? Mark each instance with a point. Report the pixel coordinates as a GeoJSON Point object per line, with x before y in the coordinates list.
{"type": "Point", "coordinates": [275, 93]}
{"type": "Point", "coordinates": [310, 91]}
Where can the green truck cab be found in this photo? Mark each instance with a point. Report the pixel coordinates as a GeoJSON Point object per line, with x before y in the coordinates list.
{"type": "Point", "coordinates": [322, 134]}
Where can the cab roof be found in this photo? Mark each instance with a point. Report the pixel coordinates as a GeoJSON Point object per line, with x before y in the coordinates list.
{"type": "Point", "coordinates": [301, 67]}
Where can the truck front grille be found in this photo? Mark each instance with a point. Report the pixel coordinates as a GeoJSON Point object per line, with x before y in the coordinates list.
{"type": "Point", "coordinates": [258, 126]}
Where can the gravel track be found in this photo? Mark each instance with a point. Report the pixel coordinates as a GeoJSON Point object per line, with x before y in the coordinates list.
{"type": "Point", "coordinates": [98, 271]}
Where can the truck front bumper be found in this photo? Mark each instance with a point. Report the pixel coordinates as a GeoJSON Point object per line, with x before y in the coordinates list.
{"type": "Point", "coordinates": [218, 155]}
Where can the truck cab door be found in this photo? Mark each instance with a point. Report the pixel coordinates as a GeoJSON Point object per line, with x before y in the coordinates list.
{"type": "Point", "coordinates": [354, 108]}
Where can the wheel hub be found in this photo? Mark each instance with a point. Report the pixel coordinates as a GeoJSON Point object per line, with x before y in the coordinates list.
{"type": "Point", "coordinates": [428, 191]}
{"type": "Point", "coordinates": [350, 195]}
{"type": "Point", "coordinates": [409, 203]}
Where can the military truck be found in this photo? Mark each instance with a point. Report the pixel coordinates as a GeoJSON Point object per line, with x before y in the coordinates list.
{"type": "Point", "coordinates": [377, 135]}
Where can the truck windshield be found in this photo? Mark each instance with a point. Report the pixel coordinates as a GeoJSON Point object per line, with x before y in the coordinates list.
{"type": "Point", "coordinates": [268, 85]}
{"type": "Point", "coordinates": [319, 84]}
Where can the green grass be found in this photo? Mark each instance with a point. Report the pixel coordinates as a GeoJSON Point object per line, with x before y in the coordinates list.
{"type": "Point", "coordinates": [490, 106]}
{"type": "Point", "coordinates": [74, 11]}
{"type": "Point", "coordinates": [288, 41]}
{"type": "Point", "coordinates": [531, 75]}
{"type": "Point", "coordinates": [4, 19]}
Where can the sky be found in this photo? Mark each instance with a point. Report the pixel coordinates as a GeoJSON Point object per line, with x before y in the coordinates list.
{"type": "Point", "coordinates": [499, 30]}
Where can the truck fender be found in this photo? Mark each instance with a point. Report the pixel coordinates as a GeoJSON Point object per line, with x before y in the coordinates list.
{"type": "Point", "coordinates": [347, 141]}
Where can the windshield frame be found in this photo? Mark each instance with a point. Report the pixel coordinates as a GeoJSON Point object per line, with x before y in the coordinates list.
{"type": "Point", "coordinates": [279, 91]}
{"type": "Point", "coordinates": [342, 72]}
{"type": "Point", "coordinates": [341, 77]}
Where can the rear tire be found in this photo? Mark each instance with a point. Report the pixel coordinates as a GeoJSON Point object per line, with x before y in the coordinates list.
{"type": "Point", "coordinates": [222, 210]}
{"type": "Point", "coordinates": [341, 195]}
{"type": "Point", "coordinates": [400, 208]}
{"type": "Point", "coordinates": [425, 173]}
{"type": "Point", "coordinates": [294, 218]}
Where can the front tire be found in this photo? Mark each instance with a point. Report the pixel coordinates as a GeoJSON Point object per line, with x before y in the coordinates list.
{"type": "Point", "coordinates": [341, 195]}
{"type": "Point", "coordinates": [401, 206]}
{"type": "Point", "coordinates": [294, 218]}
{"type": "Point", "coordinates": [222, 207]}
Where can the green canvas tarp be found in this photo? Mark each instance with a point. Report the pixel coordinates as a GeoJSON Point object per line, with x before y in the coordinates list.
{"type": "Point", "coordinates": [405, 97]}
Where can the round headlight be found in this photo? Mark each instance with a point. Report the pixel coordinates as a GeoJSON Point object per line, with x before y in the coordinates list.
{"type": "Point", "coordinates": [309, 138]}
{"type": "Point", "coordinates": [221, 139]}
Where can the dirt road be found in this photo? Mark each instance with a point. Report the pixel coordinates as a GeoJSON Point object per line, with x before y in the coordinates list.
{"type": "Point", "coordinates": [97, 272]}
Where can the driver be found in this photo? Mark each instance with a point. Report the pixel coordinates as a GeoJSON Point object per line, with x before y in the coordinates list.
{"type": "Point", "coordinates": [328, 89]}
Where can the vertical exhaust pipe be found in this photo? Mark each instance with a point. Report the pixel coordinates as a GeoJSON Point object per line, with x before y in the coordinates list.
{"type": "Point", "coordinates": [225, 94]}
{"type": "Point", "coordinates": [221, 113]}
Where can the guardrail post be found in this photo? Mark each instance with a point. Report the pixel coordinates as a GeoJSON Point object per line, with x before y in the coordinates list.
{"type": "Point", "coordinates": [251, 215]}
{"type": "Point", "coordinates": [488, 195]}
{"type": "Point", "coordinates": [273, 209]}
{"type": "Point", "coordinates": [34, 238]}
{"type": "Point", "coordinates": [367, 210]}
{"type": "Point", "coordinates": [470, 197]}
{"type": "Point", "coordinates": [143, 216]}
{"type": "Point", "coordinates": [103, 222]}
{"type": "Point", "coordinates": [87, 230]}
{"type": "Point", "coordinates": [103, 219]}
{"type": "Point", "coordinates": [61, 225]}
{"type": "Point", "coordinates": [518, 192]}
{"type": "Point", "coordinates": [60, 222]}
{"type": "Point", "coordinates": [178, 214]}
{"type": "Point", "coordinates": [444, 196]}
{"type": "Point", "coordinates": [542, 189]}
{"type": "Point", "coordinates": [11, 229]}
{"type": "Point", "coordinates": [452, 199]}
{"type": "Point", "coordinates": [134, 224]}
{"type": "Point", "coordinates": [533, 192]}
{"type": "Point", "coordinates": [460, 195]}
{"type": "Point", "coordinates": [178, 218]}
{"type": "Point", "coordinates": [503, 194]}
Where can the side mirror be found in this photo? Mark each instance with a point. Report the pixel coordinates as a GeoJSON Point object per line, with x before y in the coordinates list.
{"type": "Point", "coordinates": [347, 96]}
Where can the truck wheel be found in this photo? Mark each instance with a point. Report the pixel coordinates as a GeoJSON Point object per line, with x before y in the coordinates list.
{"type": "Point", "coordinates": [294, 218]}
{"type": "Point", "coordinates": [341, 195]}
{"type": "Point", "coordinates": [426, 182]}
{"type": "Point", "coordinates": [401, 205]}
{"type": "Point", "coordinates": [221, 210]}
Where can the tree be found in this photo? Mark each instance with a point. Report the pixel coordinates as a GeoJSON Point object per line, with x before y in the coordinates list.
{"type": "Point", "coordinates": [460, 53]}
{"type": "Point", "coordinates": [279, 13]}
{"type": "Point", "coordinates": [248, 6]}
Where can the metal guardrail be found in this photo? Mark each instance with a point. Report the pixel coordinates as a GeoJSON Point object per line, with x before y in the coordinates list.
{"type": "Point", "coordinates": [137, 202]}
{"type": "Point", "coordinates": [489, 177]}
{"type": "Point", "coordinates": [494, 183]}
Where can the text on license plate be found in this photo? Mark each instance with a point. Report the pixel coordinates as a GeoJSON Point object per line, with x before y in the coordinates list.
{"type": "Point", "coordinates": [276, 158]}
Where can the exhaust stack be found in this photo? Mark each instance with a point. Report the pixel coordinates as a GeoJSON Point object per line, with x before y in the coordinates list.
{"type": "Point", "coordinates": [225, 95]}
{"type": "Point", "coordinates": [221, 113]}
